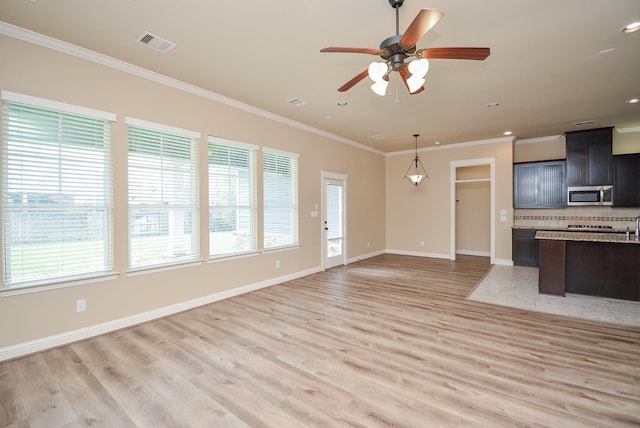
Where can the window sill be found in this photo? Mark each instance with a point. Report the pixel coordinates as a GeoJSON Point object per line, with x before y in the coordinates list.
{"type": "Point", "coordinates": [161, 268]}
{"type": "Point", "coordinates": [283, 248]}
{"type": "Point", "coordinates": [227, 257]}
{"type": "Point", "coordinates": [69, 282]}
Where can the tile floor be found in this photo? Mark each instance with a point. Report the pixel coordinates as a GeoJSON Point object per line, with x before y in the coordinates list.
{"type": "Point", "coordinates": [517, 287]}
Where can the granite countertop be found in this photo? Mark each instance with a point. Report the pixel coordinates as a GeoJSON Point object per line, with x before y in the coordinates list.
{"type": "Point", "coordinates": [587, 236]}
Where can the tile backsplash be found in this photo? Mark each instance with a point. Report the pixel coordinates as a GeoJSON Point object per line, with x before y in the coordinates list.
{"type": "Point", "coordinates": [617, 218]}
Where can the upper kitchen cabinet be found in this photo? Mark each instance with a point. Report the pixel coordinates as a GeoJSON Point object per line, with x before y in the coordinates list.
{"type": "Point", "coordinates": [539, 185]}
{"type": "Point", "coordinates": [589, 157]}
{"type": "Point", "coordinates": [626, 189]}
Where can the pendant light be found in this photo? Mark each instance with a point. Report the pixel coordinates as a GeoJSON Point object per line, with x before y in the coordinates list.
{"type": "Point", "coordinates": [416, 173]}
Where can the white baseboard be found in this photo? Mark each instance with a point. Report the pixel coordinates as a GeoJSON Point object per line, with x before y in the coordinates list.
{"type": "Point", "coordinates": [38, 345]}
{"type": "Point", "coordinates": [474, 253]}
{"type": "Point", "coordinates": [503, 262]}
{"type": "Point", "coordinates": [365, 256]}
{"type": "Point", "coordinates": [418, 254]}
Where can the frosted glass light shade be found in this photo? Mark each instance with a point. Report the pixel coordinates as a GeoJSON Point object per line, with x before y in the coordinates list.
{"type": "Point", "coordinates": [416, 173]}
{"type": "Point", "coordinates": [377, 70]}
{"type": "Point", "coordinates": [419, 67]}
{"type": "Point", "coordinates": [414, 82]}
{"type": "Point", "coordinates": [418, 70]}
{"type": "Point", "coordinates": [380, 87]}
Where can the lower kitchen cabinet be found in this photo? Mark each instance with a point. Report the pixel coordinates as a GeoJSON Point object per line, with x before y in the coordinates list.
{"type": "Point", "coordinates": [524, 247]}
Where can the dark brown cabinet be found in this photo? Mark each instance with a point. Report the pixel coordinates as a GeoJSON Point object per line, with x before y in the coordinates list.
{"type": "Point", "coordinates": [551, 275]}
{"type": "Point", "coordinates": [524, 247]}
{"type": "Point", "coordinates": [626, 184]}
{"type": "Point", "coordinates": [589, 157]}
{"type": "Point", "coordinates": [539, 185]}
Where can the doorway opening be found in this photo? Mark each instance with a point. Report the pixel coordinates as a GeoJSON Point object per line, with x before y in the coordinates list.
{"type": "Point", "coordinates": [474, 178]}
{"type": "Point", "coordinates": [334, 214]}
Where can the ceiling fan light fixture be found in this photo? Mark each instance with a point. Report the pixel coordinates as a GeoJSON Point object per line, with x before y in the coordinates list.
{"type": "Point", "coordinates": [414, 82]}
{"type": "Point", "coordinates": [380, 87]}
{"type": "Point", "coordinates": [377, 70]}
{"type": "Point", "coordinates": [419, 67]}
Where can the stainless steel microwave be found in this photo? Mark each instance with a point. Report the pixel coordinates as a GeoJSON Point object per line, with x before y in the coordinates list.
{"type": "Point", "coordinates": [590, 195]}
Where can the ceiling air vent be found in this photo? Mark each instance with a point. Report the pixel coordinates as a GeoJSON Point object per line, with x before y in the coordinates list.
{"type": "Point", "coordinates": [584, 123]}
{"type": "Point", "coordinates": [156, 43]}
{"type": "Point", "coordinates": [297, 102]}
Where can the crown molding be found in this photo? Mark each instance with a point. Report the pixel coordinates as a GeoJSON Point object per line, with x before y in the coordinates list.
{"type": "Point", "coordinates": [98, 58]}
{"type": "Point", "coordinates": [454, 146]}
{"type": "Point", "coordinates": [539, 139]}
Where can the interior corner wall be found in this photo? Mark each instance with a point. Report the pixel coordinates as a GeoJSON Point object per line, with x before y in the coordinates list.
{"type": "Point", "coordinates": [418, 218]}
{"type": "Point", "coordinates": [46, 73]}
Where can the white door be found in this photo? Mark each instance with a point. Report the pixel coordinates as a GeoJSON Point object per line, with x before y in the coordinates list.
{"type": "Point", "coordinates": [333, 222]}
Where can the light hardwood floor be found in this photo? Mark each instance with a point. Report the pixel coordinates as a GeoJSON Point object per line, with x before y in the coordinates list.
{"type": "Point", "coordinates": [389, 341]}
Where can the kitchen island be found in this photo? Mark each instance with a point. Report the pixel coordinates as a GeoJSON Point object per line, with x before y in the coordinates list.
{"type": "Point", "coordinates": [598, 264]}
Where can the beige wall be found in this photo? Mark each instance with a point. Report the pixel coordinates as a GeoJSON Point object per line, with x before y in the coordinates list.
{"type": "Point", "coordinates": [543, 149]}
{"type": "Point", "coordinates": [45, 73]}
{"type": "Point", "coordinates": [625, 142]}
{"type": "Point", "coordinates": [552, 148]}
{"type": "Point", "coordinates": [423, 213]}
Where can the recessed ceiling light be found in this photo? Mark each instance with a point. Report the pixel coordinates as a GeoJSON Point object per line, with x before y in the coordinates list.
{"type": "Point", "coordinates": [634, 26]}
{"type": "Point", "coordinates": [508, 132]}
{"type": "Point", "coordinates": [342, 103]}
{"type": "Point", "coordinates": [493, 104]}
{"type": "Point", "coordinates": [584, 123]}
{"type": "Point", "coordinates": [606, 51]}
{"type": "Point", "coordinates": [633, 101]}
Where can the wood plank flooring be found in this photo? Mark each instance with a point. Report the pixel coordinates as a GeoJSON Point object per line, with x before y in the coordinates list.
{"type": "Point", "coordinates": [385, 342]}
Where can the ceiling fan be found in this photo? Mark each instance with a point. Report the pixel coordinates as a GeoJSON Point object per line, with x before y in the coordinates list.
{"type": "Point", "coordinates": [396, 50]}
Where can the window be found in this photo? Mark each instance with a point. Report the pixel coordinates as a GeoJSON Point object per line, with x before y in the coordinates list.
{"type": "Point", "coordinates": [163, 208]}
{"type": "Point", "coordinates": [56, 191]}
{"type": "Point", "coordinates": [280, 181]}
{"type": "Point", "coordinates": [232, 197]}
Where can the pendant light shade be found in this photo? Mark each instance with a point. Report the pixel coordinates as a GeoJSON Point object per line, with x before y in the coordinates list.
{"type": "Point", "coordinates": [416, 173]}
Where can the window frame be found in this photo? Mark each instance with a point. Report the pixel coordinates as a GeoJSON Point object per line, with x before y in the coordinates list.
{"type": "Point", "coordinates": [162, 205]}
{"type": "Point", "coordinates": [75, 120]}
{"type": "Point", "coordinates": [293, 206]}
{"type": "Point", "coordinates": [251, 194]}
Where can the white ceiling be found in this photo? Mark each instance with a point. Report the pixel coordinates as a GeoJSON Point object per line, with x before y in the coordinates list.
{"type": "Point", "coordinates": [544, 68]}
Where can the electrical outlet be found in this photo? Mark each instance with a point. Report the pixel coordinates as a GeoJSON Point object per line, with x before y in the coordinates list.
{"type": "Point", "coordinates": [277, 263]}
{"type": "Point", "coordinates": [368, 244]}
{"type": "Point", "coordinates": [81, 305]}
{"type": "Point", "coordinates": [422, 243]}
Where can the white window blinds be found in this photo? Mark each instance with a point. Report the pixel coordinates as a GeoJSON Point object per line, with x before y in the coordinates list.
{"type": "Point", "coordinates": [280, 181]}
{"type": "Point", "coordinates": [56, 192]}
{"type": "Point", "coordinates": [163, 208]}
{"type": "Point", "coordinates": [232, 197]}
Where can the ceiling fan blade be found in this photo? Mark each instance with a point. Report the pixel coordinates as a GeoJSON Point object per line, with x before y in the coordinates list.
{"type": "Point", "coordinates": [478, 54]}
{"type": "Point", "coordinates": [404, 72]}
{"type": "Point", "coordinates": [353, 81]}
{"type": "Point", "coordinates": [423, 22]}
{"type": "Point", "coordinates": [370, 51]}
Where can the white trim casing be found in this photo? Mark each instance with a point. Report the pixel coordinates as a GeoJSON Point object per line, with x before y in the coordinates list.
{"type": "Point", "coordinates": [491, 161]}
{"type": "Point", "coordinates": [57, 105]}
